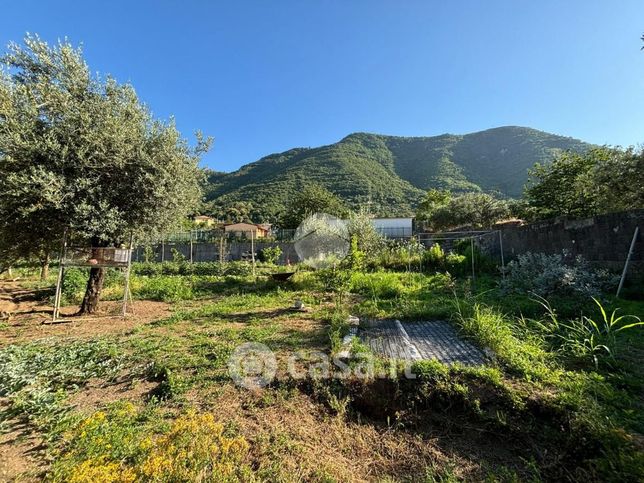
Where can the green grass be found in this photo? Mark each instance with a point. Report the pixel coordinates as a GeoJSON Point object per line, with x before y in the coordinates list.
{"type": "Point", "coordinates": [581, 416]}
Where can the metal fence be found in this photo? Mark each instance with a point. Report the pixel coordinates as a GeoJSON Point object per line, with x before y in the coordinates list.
{"type": "Point", "coordinates": [399, 232]}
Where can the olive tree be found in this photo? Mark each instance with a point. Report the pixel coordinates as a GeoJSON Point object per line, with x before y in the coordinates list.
{"type": "Point", "coordinates": [81, 153]}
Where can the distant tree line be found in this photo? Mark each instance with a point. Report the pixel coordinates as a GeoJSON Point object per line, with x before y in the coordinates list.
{"type": "Point", "coordinates": [601, 180]}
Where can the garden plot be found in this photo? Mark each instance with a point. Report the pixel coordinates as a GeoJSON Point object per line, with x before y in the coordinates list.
{"type": "Point", "coordinates": [423, 340]}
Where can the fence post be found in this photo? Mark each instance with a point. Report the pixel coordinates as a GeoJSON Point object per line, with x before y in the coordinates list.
{"type": "Point", "coordinates": [472, 255]}
{"type": "Point", "coordinates": [252, 250]}
{"type": "Point", "coordinates": [190, 246]}
{"type": "Point", "coordinates": [502, 258]}
{"type": "Point", "coordinates": [628, 260]}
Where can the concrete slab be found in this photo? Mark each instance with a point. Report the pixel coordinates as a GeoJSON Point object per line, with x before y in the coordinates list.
{"type": "Point", "coordinates": [420, 340]}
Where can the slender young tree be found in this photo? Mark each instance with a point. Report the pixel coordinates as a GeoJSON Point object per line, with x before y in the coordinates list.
{"type": "Point", "coordinates": [81, 153]}
{"type": "Point", "coordinates": [312, 198]}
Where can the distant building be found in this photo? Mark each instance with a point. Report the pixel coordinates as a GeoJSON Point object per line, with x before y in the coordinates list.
{"type": "Point", "coordinates": [246, 230]}
{"type": "Point", "coordinates": [394, 227]}
{"type": "Point", "coordinates": [266, 226]}
{"type": "Point", "coordinates": [204, 220]}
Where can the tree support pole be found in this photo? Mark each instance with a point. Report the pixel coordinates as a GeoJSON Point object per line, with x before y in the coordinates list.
{"type": "Point", "coordinates": [126, 291]}
{"type": "Point", "coordinates": [59, 281]}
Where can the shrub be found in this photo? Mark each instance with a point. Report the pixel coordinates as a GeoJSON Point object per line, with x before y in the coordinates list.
{"type": "Point", "coordinates": [270, 254]}
{"type": "Point", "coordinates": [455, 262]}
{"type": "Point", "coordinates": [237, 268]}
{"type": "Point", "coordinates": [435, 256]}
{"type": "Point", "coordinates": [356, 258]}
{"type": "Point", "coordinates": [554, 275]}
{"type": "Point", "coordinates": [397, 255]}
{"type": "Point", "coordinates": [149, 269]}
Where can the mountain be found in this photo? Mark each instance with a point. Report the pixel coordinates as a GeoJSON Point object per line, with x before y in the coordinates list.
{"type": "Point", "coordinates": [392, 172]}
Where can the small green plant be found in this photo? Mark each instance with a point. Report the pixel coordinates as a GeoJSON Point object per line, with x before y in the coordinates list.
{"type": "Point", "coordinates": [336, 281]}
{"type": "Point", "coordinates": [356, 256]}
{"type": "Point", "coordinates": [177, 256]}
{"type": "Point", "coordinates": [148, 254]}
{"type": "Point", "coordinates": [585, 337]}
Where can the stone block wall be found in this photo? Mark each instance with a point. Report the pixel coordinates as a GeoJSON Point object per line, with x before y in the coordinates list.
{"type": "Point", "coordinates": [603, 240]}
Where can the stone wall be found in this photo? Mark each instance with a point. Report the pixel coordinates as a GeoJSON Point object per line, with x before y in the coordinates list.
{"type": "Point", "coordinates": [603, 240]}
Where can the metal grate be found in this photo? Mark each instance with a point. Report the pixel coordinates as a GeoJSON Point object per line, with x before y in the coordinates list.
{"type": "Point", "coordinates": [97, 257]}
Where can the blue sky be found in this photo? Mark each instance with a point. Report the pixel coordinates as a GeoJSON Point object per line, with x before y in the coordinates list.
{"type": "Point", "coordinates": [265, 76]}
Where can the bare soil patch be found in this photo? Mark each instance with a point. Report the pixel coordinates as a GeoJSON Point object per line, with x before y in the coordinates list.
{"type": "Point", "coordinates": [22, 451]}
{"type": "Point", "coordinates": [25, 315]}
{"type": "Point", "coordinates": [98, 392]}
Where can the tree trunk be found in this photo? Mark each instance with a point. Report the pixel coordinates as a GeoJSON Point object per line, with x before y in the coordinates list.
{"type": "Point", "coordinates": [44, 266]}
{"type": "Point", "coordinates": [93, 291]}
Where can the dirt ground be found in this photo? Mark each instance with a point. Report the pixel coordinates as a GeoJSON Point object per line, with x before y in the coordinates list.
{"type": "Point", "coordinates": [25, 314]}
{"type": "Point", "coordinates": [21, 452]}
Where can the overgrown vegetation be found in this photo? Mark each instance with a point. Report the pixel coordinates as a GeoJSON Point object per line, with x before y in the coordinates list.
{"type": "Point", "coordinates": [577, 185]}
{"type": "Point", "coordinates": [560, 275]}
{"type": "Point", "coordinates": [551, 386]}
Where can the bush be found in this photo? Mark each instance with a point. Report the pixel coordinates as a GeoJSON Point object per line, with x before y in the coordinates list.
{"type": "Point", "coordinates": [197, 268]}
{"type": "Point", "coordinates": [241, 269]}
{"type": "Point", "coordinates": [435, 256]}
{"type": "Point", "coordinates": [547, 275]}
{"type": "Point", "coordinates": [270, 254]}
